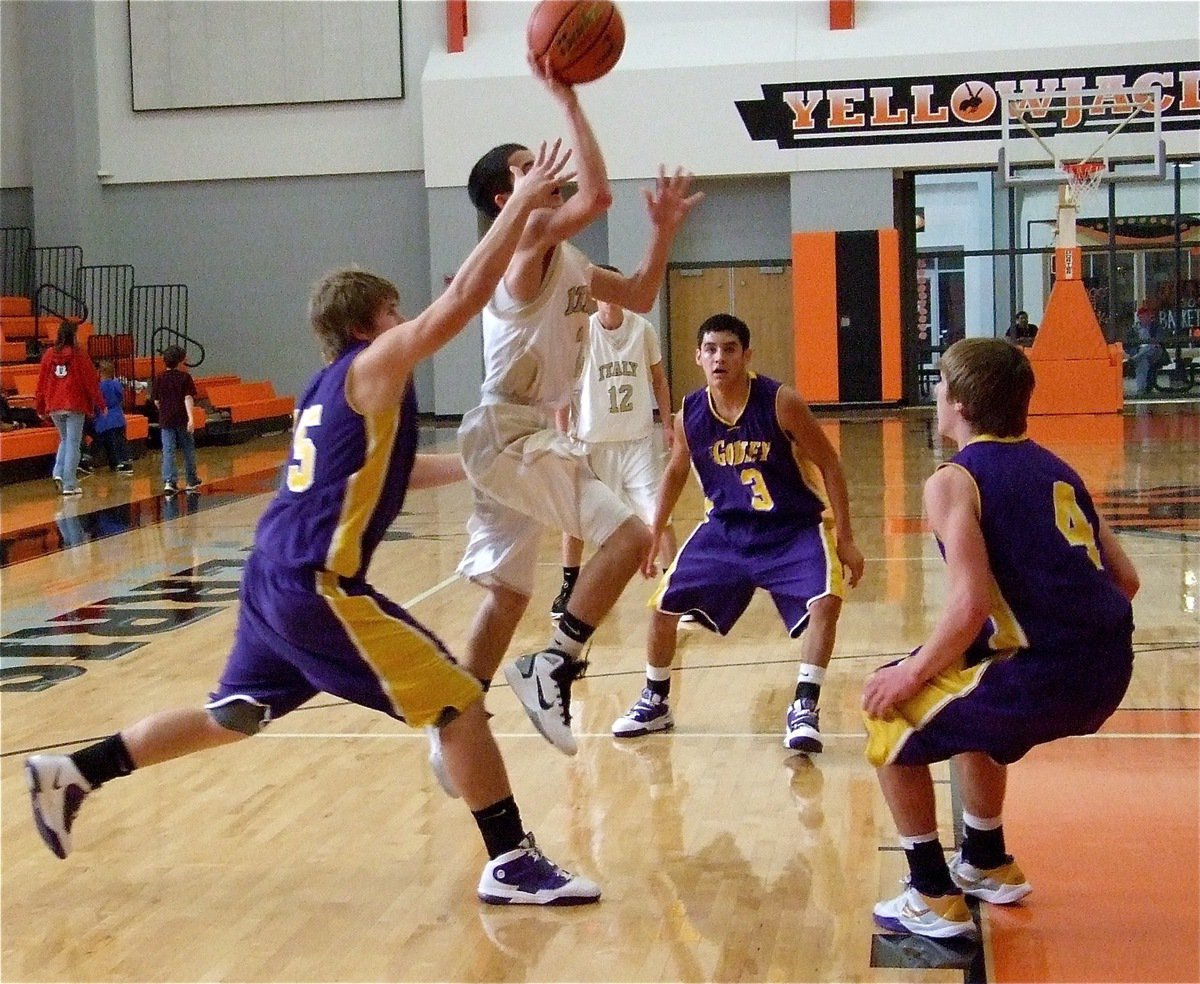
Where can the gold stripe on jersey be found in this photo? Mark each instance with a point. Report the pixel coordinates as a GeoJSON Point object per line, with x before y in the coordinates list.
{"type": "Point", "coordinates": [420, 681]}
{"type": "Point", "coordinates": [363, 489]}
{"type": "Point", "coordinates": [1007, 634]}
{"type": "Point", "coordinates": [835, 581]}
{"type": "Point", "coordinates": [885, 738]}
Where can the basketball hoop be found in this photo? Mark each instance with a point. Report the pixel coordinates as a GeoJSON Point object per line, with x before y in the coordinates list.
{"type": "Point", "coordinates": [1083, 177]}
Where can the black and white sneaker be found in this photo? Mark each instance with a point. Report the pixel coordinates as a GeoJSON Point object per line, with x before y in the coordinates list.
{"type": "Point", "coordinates": [57, 790]}
{"type": "Point", "coordinates": [542, 682]}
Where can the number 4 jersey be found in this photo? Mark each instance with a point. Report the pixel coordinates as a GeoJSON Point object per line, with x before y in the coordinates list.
{"type": "Point", "coordinates": [346, 480]}
{"type": "Point", "coordinates": [1041, 532]}
{"type": "Point", "coordinates": [746, 466]}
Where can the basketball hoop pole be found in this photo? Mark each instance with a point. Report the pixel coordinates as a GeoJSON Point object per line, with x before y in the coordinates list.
{"type": "Point", "coordinates": [1082, 178]}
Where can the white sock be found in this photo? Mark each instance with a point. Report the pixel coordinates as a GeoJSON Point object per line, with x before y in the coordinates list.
{"type": "Point", "coordinates": [981, 823]}
{"type": "Point", "coordinates": [811, 673]}
{"type": "Point", "coordinates": [908, 843]}
{"type": "Point", "coordinates": [658, 674]}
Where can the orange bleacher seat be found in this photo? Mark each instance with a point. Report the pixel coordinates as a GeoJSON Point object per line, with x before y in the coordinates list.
{"type": "Point", "coordinates": [137, 427]}
{"type": "Point", "coordinates": [250, 401]}
{"type": "Point", "coordinates": [15, 327]}
{"type": "Point", "coordinates": [15, 307]}
{"type": "Point", "coordinates": [12, 351]}
{"type": "Point", "coordinates": [29, 443]}
{"type": "Point", "coordinates": [205, 383]}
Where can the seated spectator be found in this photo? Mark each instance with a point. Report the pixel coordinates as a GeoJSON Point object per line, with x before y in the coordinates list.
{"type": "Point", "coordinates": [1149, 354]}
{"type": "Point", "coordinates": [1021, 332]}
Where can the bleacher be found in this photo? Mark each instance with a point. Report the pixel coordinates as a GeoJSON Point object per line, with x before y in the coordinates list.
{"type": "Point", "coordinates": [119, 320]}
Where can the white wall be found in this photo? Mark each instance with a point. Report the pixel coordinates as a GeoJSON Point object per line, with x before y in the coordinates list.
{"type": "Point", "coordinates": [672, 96]}
{"type": "Point", "coordinates": [258, 141]}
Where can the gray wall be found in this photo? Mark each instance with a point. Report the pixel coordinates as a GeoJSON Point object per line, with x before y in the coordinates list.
{"type": "Point", "coordinates": [16, 207]}
{"type": "Point", "coordinates": [249, 251]}
{"type": "Point", "coordinates": [841, 200]}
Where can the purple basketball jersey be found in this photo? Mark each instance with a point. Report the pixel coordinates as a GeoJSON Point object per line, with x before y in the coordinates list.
{"type": "Point", "coordinates": [1041, 530]}
{"type": "Point", "coordinates": [336, 500]}
{"type": "Point", "coordinates": [746, 466]}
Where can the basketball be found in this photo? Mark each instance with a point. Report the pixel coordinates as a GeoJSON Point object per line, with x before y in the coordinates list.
{"type": "Point", "coordinates": [584, 38]}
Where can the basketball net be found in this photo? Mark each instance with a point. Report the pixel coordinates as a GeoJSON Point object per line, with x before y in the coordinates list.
{"type": "Point", "coordinates": [1082, 178]}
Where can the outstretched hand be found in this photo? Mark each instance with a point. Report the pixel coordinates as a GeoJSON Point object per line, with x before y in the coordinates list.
{"type": "Point", "coordinates": [669, 202]}
{"type": "Point", "coordinates": [544, 177]}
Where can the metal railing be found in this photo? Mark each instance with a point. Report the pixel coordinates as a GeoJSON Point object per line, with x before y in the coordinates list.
{"type": "Point", "coordinates": [15, 243]}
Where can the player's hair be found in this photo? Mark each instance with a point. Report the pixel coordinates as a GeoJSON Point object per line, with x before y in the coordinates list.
{"type": "Point", "coordinates": [105, 368]}
{"type": "Point", "coordinates": [724, 322]}
{"type": "Point", "coordinates": [345, 303]}
{"type": "Point", "coordinates": [173, 355]}
{"type": "Point", "coordinates": [992, 380]}
{"type": "Point", "coordinates": [490, 177]}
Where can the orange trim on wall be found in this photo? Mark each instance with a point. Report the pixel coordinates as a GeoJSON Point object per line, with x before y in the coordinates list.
{"type": "Point", "coordinates": [456, 25]}
{"type": "Point", "coordinates": [814, 307]}
{"type": "Point", "coordinates": [889, 313]}
{"type": "Point", "coordinates": [841, 15]}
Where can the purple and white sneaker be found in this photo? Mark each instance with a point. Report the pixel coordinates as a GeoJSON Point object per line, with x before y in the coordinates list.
{"type": "Point", "coordinates": [650, 713]}
{"type": "Point", "coordinates": [57, 790]}
{"type": "Point", "coordinates": [802, 729]}
{"type": "Point", "coordinates": [525, 876]}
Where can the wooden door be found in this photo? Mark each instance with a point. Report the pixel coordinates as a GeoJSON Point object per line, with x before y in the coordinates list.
{"type": "Point", "coordinates": [762, 297]}
{"type": "Point", "coordinates": [695, 294]}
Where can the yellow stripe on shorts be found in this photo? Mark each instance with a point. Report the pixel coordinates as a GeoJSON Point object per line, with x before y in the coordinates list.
{"type": "Point", "coordinates": [885, 738]}
{"type": "Point", "coordinates": [419, 680]}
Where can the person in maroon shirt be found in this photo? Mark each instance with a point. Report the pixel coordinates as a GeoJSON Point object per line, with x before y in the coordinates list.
{"type": "Point", "coordinates": [68, 390]}
{"type": "Point", "coordinates": [174, 397]}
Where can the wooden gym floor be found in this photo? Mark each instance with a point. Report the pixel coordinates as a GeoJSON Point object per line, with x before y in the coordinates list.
{"type": "Point", "coordinates": [324, 850]}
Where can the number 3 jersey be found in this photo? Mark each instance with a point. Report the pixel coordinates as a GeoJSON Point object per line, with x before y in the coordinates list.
{"type": "Point", "coordinates": [346, 480]}
{"type": "Point", "coordinates": [746, 466]}
{"type": "Point", "coordinates": [1041, 532]}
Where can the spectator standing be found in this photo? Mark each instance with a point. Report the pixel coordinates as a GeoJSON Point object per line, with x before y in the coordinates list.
{"type": "Point", "coordinates": [68, 390]}
{"type": "Point", "coordinates": [110, 425]}
{"type": "Point", "coordinates": [174, 397]}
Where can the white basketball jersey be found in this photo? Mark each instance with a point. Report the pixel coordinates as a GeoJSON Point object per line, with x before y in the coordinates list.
{"type": "Point", "coordinates": [615, 399]}
{"type": "Point", "coordinates": [532, 353]}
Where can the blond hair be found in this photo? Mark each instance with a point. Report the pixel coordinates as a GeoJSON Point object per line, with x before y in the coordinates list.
{"type": "Point", "coordinates": [345, 303]}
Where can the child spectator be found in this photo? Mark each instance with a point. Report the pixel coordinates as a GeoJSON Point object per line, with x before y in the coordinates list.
{"type": "Point", "coordinates": [68, 390]}
{"type": "Point", "coordinates": [174, 396]}
{"type": "Point", "coordinates": [110, 425]}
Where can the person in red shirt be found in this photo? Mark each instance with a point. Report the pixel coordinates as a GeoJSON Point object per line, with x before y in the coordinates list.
{"type": "Point", "coordinates": [68, 391]}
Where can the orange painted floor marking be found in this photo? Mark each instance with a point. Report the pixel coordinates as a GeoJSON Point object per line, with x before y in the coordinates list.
{"type": "Point", "coordinates": [1107, 833]}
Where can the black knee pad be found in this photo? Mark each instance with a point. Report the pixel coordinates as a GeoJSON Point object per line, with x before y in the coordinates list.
{"type": "Point", "coordinates": [242, 714]}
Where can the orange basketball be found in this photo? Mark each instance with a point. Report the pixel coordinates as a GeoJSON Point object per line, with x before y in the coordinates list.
{"type": "Point", "coordinates": [584, 38]}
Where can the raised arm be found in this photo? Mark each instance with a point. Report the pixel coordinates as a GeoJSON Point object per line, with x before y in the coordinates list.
{"type": "Point", "coordinates": [593, 195]}
{"type": "Point", "coordinates": [810, 442]}
{"type": "Point", "coordinates": [380, 373]}
{"type": "Point", "coordinates": [667, 205]}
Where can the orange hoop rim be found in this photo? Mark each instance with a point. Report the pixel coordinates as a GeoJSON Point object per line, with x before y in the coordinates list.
{"type": "Point", "coordinates": [1083, 171]}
